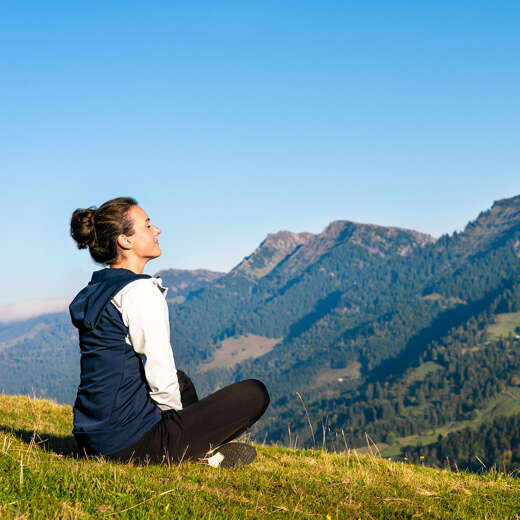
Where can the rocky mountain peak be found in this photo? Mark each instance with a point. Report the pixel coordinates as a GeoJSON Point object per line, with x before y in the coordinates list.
{"type": "Point", "coordinates": [503, 213]}
{"type": "Point", "coordinates": [492, 225]}
{"type": "Point", "coordinates": [286, 240]}
{"type": "Point", "coordinates": [299, 250]}
{"type": "Point", "coordinates": [271, 252]}
{"type": "Point", "coordinates": [375, 238]}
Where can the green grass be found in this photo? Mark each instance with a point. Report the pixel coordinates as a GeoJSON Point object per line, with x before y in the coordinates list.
{"type": "Point", "coordinates": [40, 478]}
{"type": "Point", "coordinates": [436, 297]}
{"type": "Point", "coordinates": [420, 373]}
{"type": "Point", "coordinates": [239, 348]}
{"type": "Point", "coordinates": [504, 325]}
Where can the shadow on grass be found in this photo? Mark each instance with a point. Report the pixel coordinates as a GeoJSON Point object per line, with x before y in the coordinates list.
{"type": "Point", "coordinates": [60, 444]}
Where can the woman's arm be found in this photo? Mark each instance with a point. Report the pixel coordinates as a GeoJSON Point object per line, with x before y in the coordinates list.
{"type": "Point", "coordinates": [145, 312]}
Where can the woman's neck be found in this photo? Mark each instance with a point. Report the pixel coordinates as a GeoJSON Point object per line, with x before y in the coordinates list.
{"type": "Point", "coordinates": [136, 265]}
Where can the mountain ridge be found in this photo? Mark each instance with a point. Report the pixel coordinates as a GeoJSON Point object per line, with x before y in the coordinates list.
{"type": "Point", "coordinates": [302, 249]}
{"type": "Point", "coordinates": [366, 304]}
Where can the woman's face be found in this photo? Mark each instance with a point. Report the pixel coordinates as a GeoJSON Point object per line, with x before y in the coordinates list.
{"type": "Point", "coordinates": [144, 240]}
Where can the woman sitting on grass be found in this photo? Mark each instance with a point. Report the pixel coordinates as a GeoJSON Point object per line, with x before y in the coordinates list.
{"type": "Point", "coordinates": [132, 402]}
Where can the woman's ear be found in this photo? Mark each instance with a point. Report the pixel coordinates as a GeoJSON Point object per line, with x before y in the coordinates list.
{"type": "Point", "coordinates": [124, 242]}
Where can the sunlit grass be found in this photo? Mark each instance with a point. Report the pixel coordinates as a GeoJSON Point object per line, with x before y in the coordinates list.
{"type": "Point", "coordinates": [44, 480]}
{"type": "Point", "coordinates": [504, 325]}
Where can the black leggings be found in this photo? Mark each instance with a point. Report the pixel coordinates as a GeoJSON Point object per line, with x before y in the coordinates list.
{"type": "Point", "coordinates": [188, 434]}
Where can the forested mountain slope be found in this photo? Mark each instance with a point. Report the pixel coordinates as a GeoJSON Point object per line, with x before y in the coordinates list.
{"type": "Point", "coordinates": [361, 319]}
{"type": "Point", "coordinates": [182, 282]}
{"type": "Point", "coordinates": [495, 444]}
{"type": "Point", "coordinates": [303, 286]}
{"type": "Point", "coordinates": [40, 356]}
{"type": "Point", "coordinates": [382, 331]}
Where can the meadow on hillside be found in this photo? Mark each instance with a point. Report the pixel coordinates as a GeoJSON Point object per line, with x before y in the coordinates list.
{"type": "Point", "coordinates": [40, 477]}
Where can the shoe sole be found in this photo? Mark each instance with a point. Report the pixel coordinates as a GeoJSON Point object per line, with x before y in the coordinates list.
{"type": "Point", "coordinates": [235, 454]}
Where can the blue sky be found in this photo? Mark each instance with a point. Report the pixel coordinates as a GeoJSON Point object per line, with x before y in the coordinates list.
{"type": "Point", "coordinates": [231, 120]}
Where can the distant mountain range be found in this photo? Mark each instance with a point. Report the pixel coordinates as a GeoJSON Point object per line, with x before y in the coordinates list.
{"type": "Point", "coordinates": [383, 331]}
{"type": "Point", "coordinates": [182, 282]}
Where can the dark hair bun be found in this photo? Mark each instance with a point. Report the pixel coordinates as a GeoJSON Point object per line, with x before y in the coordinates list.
{"type": "Point", "coordinates": [98, 228]}
{"type": "Point", "coordinates": [82, 228]}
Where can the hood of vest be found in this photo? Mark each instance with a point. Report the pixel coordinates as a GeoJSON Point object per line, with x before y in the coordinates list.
{"type": "Point", "coordinates": [85, 309]}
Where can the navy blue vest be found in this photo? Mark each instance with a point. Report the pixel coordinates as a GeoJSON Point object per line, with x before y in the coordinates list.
{"type": "Point", "coordinates": [113, 408]}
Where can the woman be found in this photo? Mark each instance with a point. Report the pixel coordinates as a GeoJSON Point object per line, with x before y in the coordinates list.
{"type": "Point", "coordinates": [132, 403]}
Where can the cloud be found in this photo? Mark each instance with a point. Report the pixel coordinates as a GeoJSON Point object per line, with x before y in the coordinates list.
{"type": "Point", "coordinates": [28, 309]}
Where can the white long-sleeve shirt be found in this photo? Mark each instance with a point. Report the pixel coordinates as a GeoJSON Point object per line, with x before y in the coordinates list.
{"type": "Point", "coordinates": [143, 308]}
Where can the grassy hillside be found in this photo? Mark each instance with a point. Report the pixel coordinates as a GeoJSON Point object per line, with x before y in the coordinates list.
{"type": "Point", "coordinates": [41, 478]}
